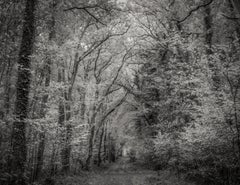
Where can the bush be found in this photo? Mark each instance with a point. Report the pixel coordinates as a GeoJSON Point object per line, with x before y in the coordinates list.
{"type": "Point", "coordinates": [132, 155]}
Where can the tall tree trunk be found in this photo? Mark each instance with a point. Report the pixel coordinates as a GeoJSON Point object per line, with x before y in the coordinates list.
{"type": "Point", "coordinates": [19, 148]}
{"type": "Point", "coordinates": [61, 119]}
{"type": "Point", "coordinates": [66, 128]}
{"type": "Point", "coordinates": [41, 145]}
{"type": "Point", "coordinates": [234, 6]}
{"type": "Point", "coordinates": [90, 148]}
{"type": "Point", "coordinates": [66, 150]}
{"type": "Point", "coordinates": [208, 28]}
{"type": "Point", "coordinates": [208, 22]}
{"type": "Point", "coordinates": [100, 146]}
{"type": "Point", "coordinates": [52, 161]}
{"type": "Point", "coordinates": [47, 71]}
{"type": "Point", "coordinates": [92, 130]}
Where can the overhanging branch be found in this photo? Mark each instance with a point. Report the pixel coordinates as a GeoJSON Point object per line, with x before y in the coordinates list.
{"type": "Point", "coordinates": [193, 10]}
{"type": "Point", "coordinates": [85, 9]}
{"type": "Point", "coordinates": [81, 8]}
{"type": "Point", "coordinates": [110, 111]}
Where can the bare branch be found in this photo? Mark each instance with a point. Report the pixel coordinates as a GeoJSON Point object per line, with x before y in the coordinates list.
{"type": "Point", "coordinates": [230, 18]}
{"type": "Point", "coordinates": [194, 10]}
{"type": "Point", "coordinates": [117, 74]}
{"type": "Point", "coordinates": [110, 110]}
{"type": "Point", "coordinates": [84, 55]}
{"type": "Point", "coordinates": [81, 8]}
{"type": "Point", "coordinates": [105, 65]}
{"type": "Point", "coordinates": [129, 90]}
{"type": "Point", "coordinates": [95, 66]}
{"type": "Point", "coordinates": [94, 46]}
{"type": "Point", "coordinates": [114, 90]}
{"type": "Point", "coordinates": [97, 19]}
{"type": "Point", "coordinates": [234, 19]}
{"type": "Point", "coordinates": [85, 8]}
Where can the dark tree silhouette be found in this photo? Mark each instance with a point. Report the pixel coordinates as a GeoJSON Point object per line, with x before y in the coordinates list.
{"type": "Point", "coordinates": [19, 148]}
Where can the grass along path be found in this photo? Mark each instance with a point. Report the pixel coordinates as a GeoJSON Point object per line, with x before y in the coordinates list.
{"type": "Point", "coordinates": [124, 173]}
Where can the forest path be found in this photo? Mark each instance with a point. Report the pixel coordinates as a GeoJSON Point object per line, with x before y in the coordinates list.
{"type": "Point", "coordinates": [122, 173]}
{"type": "Point", "coordinates": [125, 173]}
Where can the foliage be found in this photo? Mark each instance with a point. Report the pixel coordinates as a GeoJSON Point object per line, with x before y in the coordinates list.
{"type": "Point", "coordinates": [157, 78]}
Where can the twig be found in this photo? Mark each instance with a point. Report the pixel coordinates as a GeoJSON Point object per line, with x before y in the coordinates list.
{"type": "Point", "coordinates": [80, 8]}
{"type": "Point", "coordinates": [231, 18]}
{"type": "Point", "coordinates": [86, 10]}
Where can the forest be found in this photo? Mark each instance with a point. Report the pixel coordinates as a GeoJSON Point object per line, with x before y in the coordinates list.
{"type": "Point", "coordinates": [119, 92]}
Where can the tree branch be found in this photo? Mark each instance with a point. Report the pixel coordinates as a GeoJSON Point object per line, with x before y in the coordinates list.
{"type": "Point", "coordinates": [97, 19]}
{"type": "Point", "coordinates": [193, 10]}
{"type": "Point", "coordinates": [95, 66]}
{"type": "Point", "coordinates": [81, 8]}
{"type": "Point", "coordinates": [85, 9]}
{"type": "Point", "coordinates": [118, 71]}
{"type": "Point", "coordinates": [110, 110]}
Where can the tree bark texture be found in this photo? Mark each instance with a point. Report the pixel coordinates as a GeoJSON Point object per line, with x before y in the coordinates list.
{"type": "Point", "coordinates": [19, 148]}
{"type": "Point", "coordinates": [100, 146]}
{"type": "Point", "coordinates": [47, 69]}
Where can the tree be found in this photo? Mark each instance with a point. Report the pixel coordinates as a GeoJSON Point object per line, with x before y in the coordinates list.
{"type": "Point", "coordinates": [108, 76]}
{"type": "Point", "coordinates": [21, 106]}
{"type": "Point", "coordinates": [236, 5]}
{"type": "Point", "coordinates": [43, 109]}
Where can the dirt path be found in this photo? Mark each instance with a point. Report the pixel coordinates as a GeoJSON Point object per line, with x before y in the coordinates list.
{"type": "Point", "coordinates": [122, 173]}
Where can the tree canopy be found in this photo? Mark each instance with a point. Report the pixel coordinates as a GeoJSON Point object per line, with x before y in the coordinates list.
{"type": "Point", "coordinates": [84, 83]}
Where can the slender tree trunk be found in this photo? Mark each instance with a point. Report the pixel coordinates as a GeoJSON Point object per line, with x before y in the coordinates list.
{"type": "Point", "coordinates": [109, 148]}
{"type": "Point", "coordinates": [100, 146]}
{"type": "Point", "coordinates": [105, 145]}
{"type": "Point", "coordinates": [41, 145]}
{"type": "Point", "coordinates": [83, 104]}
{"type": "Point", "coordinates": [47, 70]}
{"type": "Point", "coordinates": [234, 7]}
{"type": "Point", "coordinates": [92, 131]}
{"type": "Point", "coordinates": [66, 150]}
{"type": "Point", "coordinates": [61, 120]}
{"type": "Point", "coordinates": [52, 161]}
{"type": "Point", "coordinates": [64, 110]}
{"type": "Point", "coordinates": [208, 27]}
{"type": "Point", "coordinates": [90, 148]}
{"type": "Point", "coordinates": [208, 22]}
{"type": "Point", "coordinates": [19, 147]}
